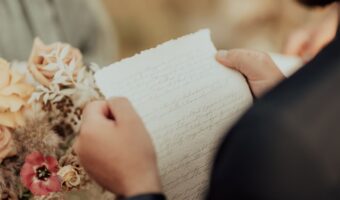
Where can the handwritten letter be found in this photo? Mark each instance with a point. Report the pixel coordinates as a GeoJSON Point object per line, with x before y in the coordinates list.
{"type": "Point", "coordinates": [188, 102]}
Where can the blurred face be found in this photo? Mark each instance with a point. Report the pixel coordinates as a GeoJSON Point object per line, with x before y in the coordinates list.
{"type": "Point", "coordinates": [317, 2]}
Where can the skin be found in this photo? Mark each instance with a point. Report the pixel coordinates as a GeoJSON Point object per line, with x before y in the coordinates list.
{"type": "Point", "coordinates": [115, 147]}
{"type": "Point", "coordinates": [124, 156]}
{"type": "Point", "coordinates": [259, 69]}
{"type": "Point", "coordinates": [116, 150]}
{"type": "Point", "coordinates": [308, 41]}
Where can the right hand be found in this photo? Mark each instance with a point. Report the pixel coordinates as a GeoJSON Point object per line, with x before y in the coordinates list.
{"type": "Point", "coordinates": [259, 69]}
{"type": "Point", "coordinates": [116, 150]}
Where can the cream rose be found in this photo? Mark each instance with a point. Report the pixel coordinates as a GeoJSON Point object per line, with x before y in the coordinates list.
{"type": "Point", "coordinates": [44, 57]}
{"type": "Point", "coordinates": [14, 93]}
{"type": "Point", "coordinates": [69, 176]}
{"type": "Point", "coordinates": [7, 147]}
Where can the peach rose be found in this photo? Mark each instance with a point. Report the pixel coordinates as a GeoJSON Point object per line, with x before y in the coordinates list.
{"type": "Point", "coordinates": [14, 93]}
{"type": "Point", "coordinates": [43, 60]}
{"type": "Point", "coordinates": [7, 147]}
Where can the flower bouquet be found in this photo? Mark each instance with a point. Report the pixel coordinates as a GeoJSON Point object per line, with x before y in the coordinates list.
{"type": "Point", "coordinates": [41, 103]}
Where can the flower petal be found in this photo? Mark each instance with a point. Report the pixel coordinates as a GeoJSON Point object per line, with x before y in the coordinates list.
{"type": "Point", "coordinates": [19, 119]}
{"type": "Point", "coordinates": [53, 184]}
{"type": "Point", "coordinates": [7, 147]}
{"type": "Point", "coordinates": [13, 103]}
{"type": "Point", "coordinates": [27, 174]}
{"type": "Point", "coordinates": [16, 77]}
{"type": "Point", "coordinates": [38, 188]}
{"type": "Point", "coordinates": [38, 75]}
{"type": "Point", "coordinates": [38, 45]}
{"type": "Point", "coordinates": [7, 119]}
{"type": "Point", "coordinates": [21, 89]}
{"type": "Point", "coordinates": [35, 159]}
{"type": "Point", "coordinates": [52, 164]}
{"type": "Point", "coordinates": [4, 75]}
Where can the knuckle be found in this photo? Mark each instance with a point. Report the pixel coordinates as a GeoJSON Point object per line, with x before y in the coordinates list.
{"type": "Point", "coordinates": [91, 106]}
{"type": "Point", "coordinates": [263, 55]}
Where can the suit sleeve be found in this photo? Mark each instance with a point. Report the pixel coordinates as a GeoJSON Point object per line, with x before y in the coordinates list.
{"type": "Point", "coordinates": [287, 145]}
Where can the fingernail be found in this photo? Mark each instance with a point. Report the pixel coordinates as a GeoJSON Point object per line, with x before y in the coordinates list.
{"type": "Point", "coordinates": [221, 55]}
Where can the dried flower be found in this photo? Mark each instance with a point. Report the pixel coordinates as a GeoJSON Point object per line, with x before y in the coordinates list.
{"type": "Point", "coordinates": [70, 177]}
{"type": "Point", "coordinates": [7, 147]}
{"type": "Point", "coordinates": [39, 174]}
{"type": "Point", "coordinates": [14, 93]}
{"type": "Point", "coordinates": [70, 159]}
{"type": "Point", "coordinates": [59, 69]}
{"type": "Point", "coordinates": [37, 134]}
{"type": "Point", "coordinates": [7, 194]}
{"type": "Point", "coordinates": [8, 189]}
{"type": "Point", "coordinates": [55, 60]}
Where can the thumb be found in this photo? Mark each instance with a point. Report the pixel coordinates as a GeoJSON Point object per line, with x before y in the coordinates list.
{"type": "Point", "coordinates": [122, 111]}
{"type": "Point", "coordinates": [252, 64]}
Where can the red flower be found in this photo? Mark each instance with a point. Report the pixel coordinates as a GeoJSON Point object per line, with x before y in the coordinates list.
{"type": "Point", "coordinates": [39, 174]}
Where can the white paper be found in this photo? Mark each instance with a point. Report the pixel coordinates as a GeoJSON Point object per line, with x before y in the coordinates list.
{"type": "Point", "coordinates": [287, 64]}
{"type": "Point", "coordinates": [187, 100]}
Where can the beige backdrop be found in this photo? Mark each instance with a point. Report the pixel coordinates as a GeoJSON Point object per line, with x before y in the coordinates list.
{"type": "Point", "coordinates": [257, 24]}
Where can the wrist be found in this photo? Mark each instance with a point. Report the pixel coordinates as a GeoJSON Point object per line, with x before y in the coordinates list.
{"type": "Point", "coordinates": [149, 183]}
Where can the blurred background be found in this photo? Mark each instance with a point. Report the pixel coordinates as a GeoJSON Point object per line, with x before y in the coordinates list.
{"type": "Point", "coordinates": [108, 30]}
{"type": "Point", "coordinates": [256, 24]}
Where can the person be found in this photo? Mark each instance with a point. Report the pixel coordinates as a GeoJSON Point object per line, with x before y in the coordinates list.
{"type": "Point", "coordinates": [285, 147]}
{"type": "Point", "coordinates": [82, 23]}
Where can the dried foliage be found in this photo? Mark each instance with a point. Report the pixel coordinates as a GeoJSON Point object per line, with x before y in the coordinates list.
{"type": "Point", "coordinates": [52, 120]}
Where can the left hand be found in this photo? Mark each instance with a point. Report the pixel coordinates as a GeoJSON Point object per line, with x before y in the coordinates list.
{"type": "Point", "coordinates": [259, 69]}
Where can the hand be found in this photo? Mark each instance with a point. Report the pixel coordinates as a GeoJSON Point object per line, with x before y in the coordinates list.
{"type": "Point", "coordinates": [115, 149]}
{"type": "Point", "coordinates": [259, 69]}
{"type": "Point", "coordinates": [308, 41]}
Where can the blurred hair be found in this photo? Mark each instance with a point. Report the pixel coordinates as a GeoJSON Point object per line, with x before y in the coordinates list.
{"type": "Point", "coordinates": [317, 2]}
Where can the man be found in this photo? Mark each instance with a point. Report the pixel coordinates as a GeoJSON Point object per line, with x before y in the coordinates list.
{"type": "Point", "coordinates": [286, 147]}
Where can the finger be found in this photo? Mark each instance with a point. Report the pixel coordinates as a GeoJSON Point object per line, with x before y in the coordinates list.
{"type": "Point", "coordinates": [122, 110]}
{"type": "Point", "coordinates": [252, 64]}
{"type": "Point", "coordinates": [96, 115]}
{"type": "Point", "coordinates": [96, 110]}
